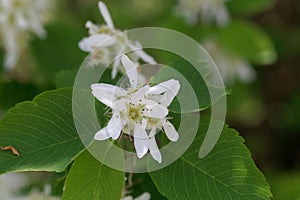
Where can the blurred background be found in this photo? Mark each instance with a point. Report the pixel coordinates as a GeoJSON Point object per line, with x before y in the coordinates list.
{"type": "Point", "coordinates": [255, 43]}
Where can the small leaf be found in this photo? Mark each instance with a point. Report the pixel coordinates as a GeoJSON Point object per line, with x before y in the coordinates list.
{"type": "Point", "coordinates": [42, 131]}
{"type": "Point", "coordinates": [228, 172]}
{"type": "Point", "coordinates": [90, 179]}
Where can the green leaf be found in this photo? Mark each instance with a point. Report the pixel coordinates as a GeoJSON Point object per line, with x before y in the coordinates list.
{"type": "Point", "coordinates": [90, 179]}
{"type": "Point", "coordinates": [42, 131]}
{"type": "Point", "coordinates": [248, 41]}
{"type": "Point", "coordinates": [194, 93]}
{"type": "Point", "coordinates": [242, 7]}
{"type": "Point", "coordinates": [228, 172]}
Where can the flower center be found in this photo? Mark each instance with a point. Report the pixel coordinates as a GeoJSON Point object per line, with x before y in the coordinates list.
{"type": "Point", "coordinates": [134, 113]}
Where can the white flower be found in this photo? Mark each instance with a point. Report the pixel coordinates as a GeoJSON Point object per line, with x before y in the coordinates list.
{"type": "Point", "coordinates": [11, 183]}
{"type": "Point", "coordinates": [230, 65]}
{"type": "Point", "coordinates": [208, 10]}
{"type": "Point", "coordinates": [39, 196]}
{"type": "Point", "coordinates": [106, 38]}
{"type": "Point", "coordinates": [144, 196]}
{"type": "Point", "coordinates": [18, 18]}
{"type": "Point", "coordinates": [138, 110]}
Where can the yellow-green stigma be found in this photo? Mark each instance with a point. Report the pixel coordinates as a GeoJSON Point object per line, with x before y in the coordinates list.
{"type": "Point", "coordinates": [134, 113]}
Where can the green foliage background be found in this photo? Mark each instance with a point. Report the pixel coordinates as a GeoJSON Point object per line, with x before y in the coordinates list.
{"type": "Point", "coordinates": [266, 113]}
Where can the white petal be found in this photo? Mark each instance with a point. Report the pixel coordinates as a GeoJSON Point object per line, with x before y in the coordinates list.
{"type": "Point", "coordinates": [140, 141]}
{"type": "Point", "coordinates": [11, 59]}
{"type": "Point", "coordinates": [144, 196]}
{"type": "Point", "coordinates": [114, 126]}
{"type": "Point", "coordinates": [131, 70]}
{"type": "Point", "coordinates": [12, 48]}
{"type": "Point", "coordinates": [107, 93]}
{"type": "Point", "coordinates": [121, 105]}
{"type": "Point", "coordinates": [104, 97]}
{"type": "Point", "coordinates": [103, 40]}
{"type": "Point", "coordinates": [154, 150]}
{"type": "Point", "coordinates": [154, 110]}
{"type": "Point", "coordinates": [139, 96]}
{"type": "Point", "coordinates": [115, 68]}
{"type": "Point", "coordinates": [85, 45]}
{"type": "Point", "coordinates": [170, 94]}
{"type": "Point", "coordinates": [102, 134]}
{"type": "Point", "coordinates": [36, 25]}
{"type": "Point", "coordinates": [20, 20]}
{"type": "Point", "coordinates": [170, 89]}
{"type": "Point", "coordinates": [100, 40]}
{"type": "Point", "coordinates": [170, 131]}
{"type": "Point", "coordinates": [116, 64]}
{"type": "Point", "coordinates": [105, 14]}
{"type": "Point", "coordinates": [112, 89]}
{"type": "Point", "coordinates": [170, 85]}
{"type": "Point", "coordinates": [167, 99]}
{"type": "Point", "coordinates": [245, 72]}
{"type": "Point", "coordinates": [141, 147]}
{"type": "Point", "coordinates": [222, 16]}
{"type": "Point", "coordinates": [156, 97]}
{"type": "Point", "coordinates": [89, 24]}
{"type": "Point", "coordinates": [6, 4]}
{"type": "Point", "coordinates": [142, 54]}
{"type": "Point", "coordinates": [145, 57]}
{"type": "Point", "coordinates": [93, 29]}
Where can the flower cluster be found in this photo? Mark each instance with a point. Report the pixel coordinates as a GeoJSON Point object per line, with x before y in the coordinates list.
{"type": "Point", "coordinates": [12, 183]}
{"type": "Point", "coordinates": [106, 44]}
{"type": "Point", "coordinates": [139, 111]}
{"type": "Point", "coordinates": [18, 18]}
{"type": "Point", "coordinates": [230, 65]}
{"type": "Point", "coordinates": [208, 10]}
